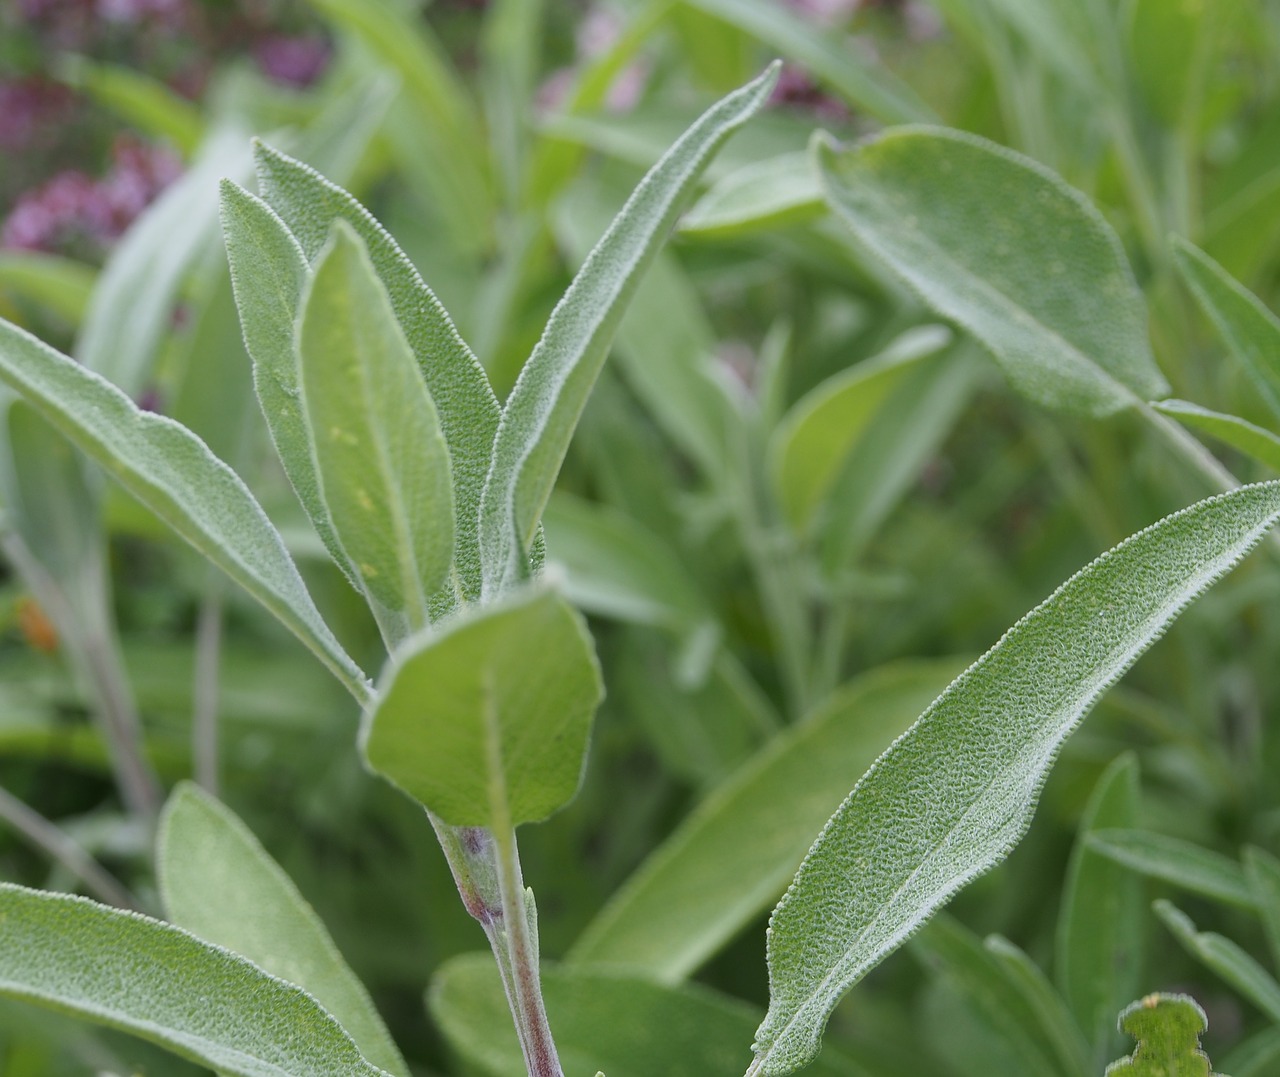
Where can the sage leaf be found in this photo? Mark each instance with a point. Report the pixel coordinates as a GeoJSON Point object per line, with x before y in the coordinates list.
{"type": "Point", "coordinates": [1005, 249]}
{"type": "Point", "coordinates": [1099, 944]}
{"type": "Point", "coordinates": [551, 391]}
{"type": "Point", "coordinates": [1168, 1029]}
{"type": "Point", "coordinates": [781, 190]}
{"type": "Point", "coordinates": [172, 472]}
{"type": "Point", "coordinates": [1221, 955]}
{"type": "Point", "coordinates": [268, 273]}
{"type": "Point", "coordinates": [957, 791]}
{"type": "Point", "coordinates": [309, 204]}
{"type": "Point", "coordinates": [1249, 329]}
{"type": "Point", "coordinates": [219, 883]}
{"type": "Point", "coordinates": [467, 725]}
{"type": "Point", "coordinates": [1182, 863]}
{"type": "Point", "coordinates": [381, 458]}
{"type": "Point", "coordinates": [687, 1031]}
{"type": "Point", "coordinates": [815, 437]}
{"type": "Point", "coordinates": [158, 982]}
{"type": "Point", "coordinates": [1255, 441]}
{"type": "Point", "coordinates": [736, 850]}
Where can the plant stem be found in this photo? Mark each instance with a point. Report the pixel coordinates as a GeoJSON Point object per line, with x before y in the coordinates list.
{"type": "Point", "coordinates": [51, 839]}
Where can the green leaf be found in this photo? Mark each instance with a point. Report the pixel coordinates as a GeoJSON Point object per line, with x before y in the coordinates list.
{"type": "Point", "coordinates": [63, 285]}
{"type": "Point", "coordinates": [1256, 1056]}
{"type": "Point", "coordinates": [1263, 872]}
{"type": "Point", "coordinates": [465, 724]}
{"type": "Point", "coordinates": [815, 438]}
{"type": "Point", "coordinates": [543, 409]}
{"type": "Point", "coordinates": [1255, 441]}
{"type": "Point", "coordinates": [958, 790]}
{"type": "Point", "coordinates": [1005, 249]}
{"type": "Point", "coordinates": [381, 459]}
{"type": "Point", "coordinates": [846, 66]}
{"type": "Point", "coordinates": [158, 982]}
{"type": "Point", "coordinates": [1224, 957]}
{"type": "Point", "coordinates": [1099, 944]}
{"type": "Point", "coordinates": [219, 883]}
{"type": "Point", "coordinates": [171, 471]}
{"type": "Point", "coordinates": [1250, 331]}
{"type": "Point", "coordinates": [625, 1026]}
{"type": "Point", "coordinates": [1167, 1028]}
{"type": "Point", "coordinates": [779, 191]}
{"type": "Point", "coordinates": [1182, 863]}
{"type": "Point", "coordinates": [308, 204]}
{"type": "Point", "coordinates": [1010, 995]}
{"type": "Point", "coordinates": [733, 854]}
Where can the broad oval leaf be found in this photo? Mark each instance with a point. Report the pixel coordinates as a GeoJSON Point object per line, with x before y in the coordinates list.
{"type": "Point", "coordinates": [736, 850]}
{"type": "Point", "coordinates": [219, 883]}
{"type": "Point", "coordinates": [309, 204]}
{"type": "Point", "coordinates": [1253, 440]}
{"type": "Point", "coordinates": [815, 437]}
{"type": "Point", "coordinates": [957, 791]}
{"type": "Point", "coordinates": [174, 474]}
{"type": "Point", "coordinates": [471, 726]}
{"type": "Point", "coordinates": [551, 391]}
{"type": "Point", "coordinates": [381, 459]}
{"type": "Point", "coordinates": [158, 982]}
{"type": "Point", "coordinates": [1005, 249]}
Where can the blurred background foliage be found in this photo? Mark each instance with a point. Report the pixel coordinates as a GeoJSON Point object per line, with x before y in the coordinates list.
{"type": "Point", "coordinates": [733, 609]}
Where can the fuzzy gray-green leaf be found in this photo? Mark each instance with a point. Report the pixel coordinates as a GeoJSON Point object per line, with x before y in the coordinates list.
{"type": "Point", "coordinates": [156, 981]}
{"type": "Point", "coordinates": [381, 459]}
{"type": "Point", "coordinates": [956, 793]}
{"type": "Point", "coordinates": [1005, 249]}
{"type": "Point", "coordinates": [543, 409]}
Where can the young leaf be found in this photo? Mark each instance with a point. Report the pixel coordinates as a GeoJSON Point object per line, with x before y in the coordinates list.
{"type": "Point", "coordinates": [171, 471]}
{"type": "Point", "coordinates": [1098, 951]}
{"type": "Point", "coordinates": [781, 190]}
{"type": "Point", "coordinates": [735, 851]}
{"type": "Point", "coordinates": [158, 982]}
{"type": "Point", "coordinates": [1239, 433]}
{"type": "Point", "coordinates": [1182, 863]}
{"type": "Point", "coordinates": [958, 790]}
{"type": "Point", "coordinates": [543, 409]}
{"type": "Point", "coordinates": [1224, 957]}
{"type": "Point", "coordinates": [1004, 248]}
{"type": "Point", "coordinates": [1168, 1029]}
{"type": "Point", "coordinates": [464, 723]}
{"type": "Point", "coordinates": [1248, 328]}
{"type": "Point", "coordinates": [309, 204]}
{"type": "Point", "coordinates": [381, 459]}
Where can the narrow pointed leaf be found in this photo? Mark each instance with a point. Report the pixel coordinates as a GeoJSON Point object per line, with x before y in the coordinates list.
{"type": "Point", "coordinates": [63, 285]}
{"type": "Point", "coordinates": [1256, 1056]}
{"type": "Point", "coordinates": [1168, 1030]}
{"type": "Point", "coordinates": [736, 850]}
{"type": "Point", "coordinates": [1004, 248]}
{"type": "Point", "coordinates": [1248, 328]}
{"type": "Point", "coordinates": [1226, 958]}
{"type": "Point", "coordinates": [381, 459]}
{"type": "Point", "coordinates": [1263, 872]}
{"type": "Point", "coordinates": [1182, 863]}
{"type": "Point", "coordinates": [1253, 440]}
{"type": "Point", "coordinates": [781, 190]}
{"type": "Point", "coordinates": [219, 883]}
{"type": "Point", "coordinates": [543, 409]}
{"type": "Point", "coordinates": [158, 982]}
{"type": "Point", "coordinates": [143, 102]}
{"type": "Point", "coordinates": [172, 472]}
{"type": "Point", "coordinates": [309, 204]}
{"type": "Point", "coordinates": [957, 791]}
{"type": "Point", "coordinates": [469, 726]}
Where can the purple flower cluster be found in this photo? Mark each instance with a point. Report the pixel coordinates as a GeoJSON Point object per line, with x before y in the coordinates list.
{"type": "Point", "coordinates": [797, 89]}
{"type": "Point", "coordinates": [31, 110]}
{"type": "Point", "coordinates": [73, 208]}
{"type": "Point", "coordinates": [292, 59]}
{"type": "Point", "coordinates": [74, 24]}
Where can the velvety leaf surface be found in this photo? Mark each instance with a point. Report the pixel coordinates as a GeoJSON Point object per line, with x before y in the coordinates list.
{"type": "Point", "coordinates": [781, 190]}
{"type": "Point", "coordinates": [621, 1025]}
{"type": "Point", "coordinates": [157, 981]}
{"type": "Point", "coordinates": [467, 724]}
{"type": "Point", "coordinates": [1183, 863]}
{"type": "Point", "coordinates": [219, 883]}
{"type": "Point", "coordinates": [170, 470]}
{"type": "Point", "coordinates": [540, 415]}
{"type": "Point", "coordinates": [734, 853]}
{"type": "Point", "coordinates": [1004, 248]}
{"type": "Point", "coordinates": [953, 796]}
{"type": "Point", "coordinates": [459, 387]}
{"type": "Point", "coordinates": [381, 459]}
{"type": "Point", "coordinates": [1168, 1029]}
{"type": "Point", "coordinates": [1253, 440]}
